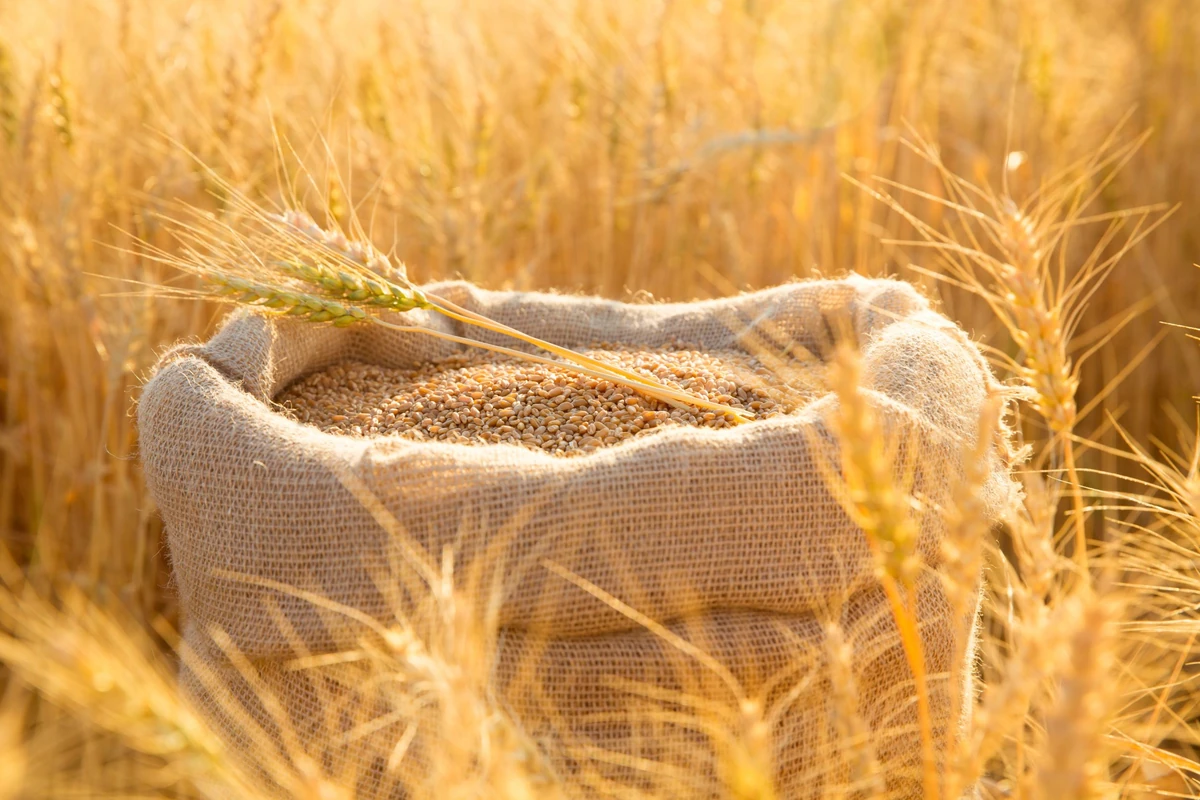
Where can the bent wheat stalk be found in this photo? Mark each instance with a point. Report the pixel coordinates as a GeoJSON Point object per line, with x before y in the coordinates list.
{"type": "Point", "coordinates": [286, 264]}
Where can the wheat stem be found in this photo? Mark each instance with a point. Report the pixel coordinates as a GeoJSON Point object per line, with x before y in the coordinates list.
{"type": "Point", "coordinates": [1081, 554]}
{"type": "Point", "coordinates": [343, 279]}
{"type": "Point", "coordinates": [388, 293]}
{"type": "Point", "coordinates": [882, 508]}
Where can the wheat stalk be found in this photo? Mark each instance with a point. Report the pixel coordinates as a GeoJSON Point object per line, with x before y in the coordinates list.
{"type": "Point", "coordinates": [59, 102]}
{"type": "Point", "coordinates": [86, 662]}
{"type": "Point", "coordinates": [8, 99]}
{"type": "Point", "coordinates": [1073, 761]}
{"type": "Point", "coordinates": [1013, 256]}
{"type": "Point", "coordinates": [390, 288]}
{"type": "Point", "coordinates": [883, 508]}
{"type": "Point", "coordinates": [855, 745]}
{"type": "Point", "coordinates": [288, 265]}
{"type": "Point", "coordinates": [967, 528]}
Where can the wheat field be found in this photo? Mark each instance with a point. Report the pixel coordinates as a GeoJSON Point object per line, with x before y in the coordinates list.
{"type": "Point", "coordinates": [1028, 164]}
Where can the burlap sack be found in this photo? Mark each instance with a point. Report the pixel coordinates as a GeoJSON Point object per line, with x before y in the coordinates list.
{"type": "Point", "coordinates": [732, 538]}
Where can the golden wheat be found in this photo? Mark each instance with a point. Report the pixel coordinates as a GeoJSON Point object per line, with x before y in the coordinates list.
{"type": "Point", "coordinates": [674, 150]}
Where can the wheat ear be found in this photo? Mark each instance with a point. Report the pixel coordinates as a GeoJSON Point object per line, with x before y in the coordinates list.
{"type": "Point", "coordinates": [289, 265]}
{"type": "Point", "coordinates": [879, 505]}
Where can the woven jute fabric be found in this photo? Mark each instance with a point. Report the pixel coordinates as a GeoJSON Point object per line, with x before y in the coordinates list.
{"type": "Point", "coordinates": [285, 538]}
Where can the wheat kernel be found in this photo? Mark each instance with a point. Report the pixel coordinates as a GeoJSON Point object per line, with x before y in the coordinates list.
{"type": "Point", "coordinates": [482, 398]}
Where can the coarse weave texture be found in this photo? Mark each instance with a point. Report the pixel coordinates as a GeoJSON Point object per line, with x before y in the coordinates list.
{"type": "Point", "coordinates": [732, 538]}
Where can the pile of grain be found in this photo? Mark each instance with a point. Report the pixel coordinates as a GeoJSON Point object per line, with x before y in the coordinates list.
{"type": "Point", "coordinates": [477, 397]}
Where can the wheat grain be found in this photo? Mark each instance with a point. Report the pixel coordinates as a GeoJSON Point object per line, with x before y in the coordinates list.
{"type": "Point", "coordinates": [486, 399]}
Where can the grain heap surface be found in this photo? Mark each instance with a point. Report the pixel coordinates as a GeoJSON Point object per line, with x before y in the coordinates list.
{"type": "Point", "coordinates": [480, 398]}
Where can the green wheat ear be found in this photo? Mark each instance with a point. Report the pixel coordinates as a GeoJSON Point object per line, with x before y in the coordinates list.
{"type": "Point", "coordinates": [357, 289]}
{"type": "Point", "coordinates": [374, 288]}
{"type": "Point", "coordinates": [282, 301]}
{"type": "Point", "coordinates": [340, 279]}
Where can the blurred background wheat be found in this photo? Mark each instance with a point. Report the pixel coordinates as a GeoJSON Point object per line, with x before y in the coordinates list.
{"type": "Point", "coordinates": [677, 149]}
